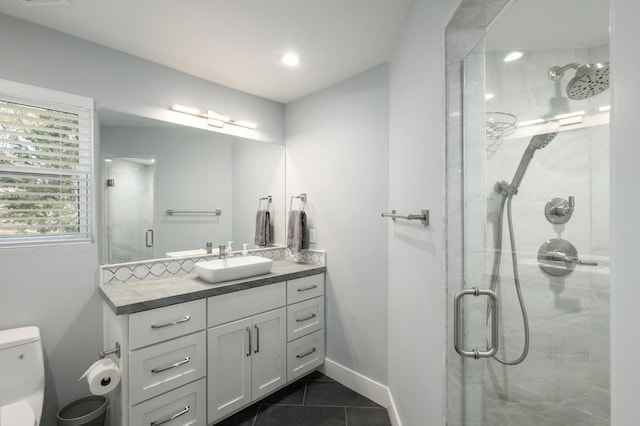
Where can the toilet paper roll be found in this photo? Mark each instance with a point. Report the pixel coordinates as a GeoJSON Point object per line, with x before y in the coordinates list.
{"type": "Point", "coordinates": [103, 376]}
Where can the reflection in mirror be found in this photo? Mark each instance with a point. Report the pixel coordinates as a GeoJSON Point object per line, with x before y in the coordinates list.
{"type": "Point", "coordinates": [152, 167]}
{"type": "Point", "coordinates": [128, 208]}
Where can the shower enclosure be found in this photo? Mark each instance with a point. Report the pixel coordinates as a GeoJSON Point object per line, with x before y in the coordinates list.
{"type": "Point", "coordinates": [528, 213]}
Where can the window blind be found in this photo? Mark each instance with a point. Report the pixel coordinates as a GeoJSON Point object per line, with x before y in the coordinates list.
{"type": "Point", "coordinates": [45, 171]}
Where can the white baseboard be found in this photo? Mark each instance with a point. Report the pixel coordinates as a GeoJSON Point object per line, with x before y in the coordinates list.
{"type": "Point", "coordinates": [365, 386]}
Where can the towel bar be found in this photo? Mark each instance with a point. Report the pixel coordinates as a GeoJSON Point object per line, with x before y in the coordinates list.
{"type": "Point", "coordinates": [171, 212]}
{"type": "Point", "coordinates": [268, 198]}
{"type": "Point", "coordinates": [302, 197]}
{"type": "Point", "coordinates": [423, 217]}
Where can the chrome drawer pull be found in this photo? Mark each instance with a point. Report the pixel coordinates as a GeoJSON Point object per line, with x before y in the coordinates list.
{"type": "Point", "coordinates": [167, 324]}
{"type": "Point", "coordinates": [169, 367]}
{"type": "Point", "coordinates": [306, 318]}
{"type": "Point", "coordinates": [306, 354]}
{"type": "Point", "coordinates": [308, 288]}
{"type": "Point", "coordinates": [168, 419]}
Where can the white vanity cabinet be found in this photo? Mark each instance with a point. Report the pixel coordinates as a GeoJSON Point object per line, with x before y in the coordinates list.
{"type": "Point", "coordinates": [197, 362]}
{"type": "Point", "coordinates": [247, 361]}
{"type": "Point", "coordinates": [305, 325]}
{"type": "Point", "coordinates": [246, 354]}
{"type": "Point", "coordinates": [163, 365]}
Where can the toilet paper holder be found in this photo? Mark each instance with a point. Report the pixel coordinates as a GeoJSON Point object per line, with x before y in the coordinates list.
{"type": "Point", "coordinates": [116, 351]}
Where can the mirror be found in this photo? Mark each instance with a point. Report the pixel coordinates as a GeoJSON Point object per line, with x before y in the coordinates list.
{"type": "Point", "coordinates": [169, 188]}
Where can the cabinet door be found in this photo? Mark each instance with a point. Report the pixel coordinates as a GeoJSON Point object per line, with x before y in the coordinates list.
{"type": "Point", "coordinates": [268, 361]}
{"type": "Point", "coordinates": [229, 362]}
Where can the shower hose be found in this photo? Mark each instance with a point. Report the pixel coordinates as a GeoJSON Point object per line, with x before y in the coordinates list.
{"type": "Point", "coordinates": [495, 272]}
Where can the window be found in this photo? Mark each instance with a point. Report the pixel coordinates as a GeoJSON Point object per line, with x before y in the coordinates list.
{"type": "Point", "coordinates": [45, 167]}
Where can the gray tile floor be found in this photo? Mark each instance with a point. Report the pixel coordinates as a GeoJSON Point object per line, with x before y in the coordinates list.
{"type": "Point", "coordinates": [314, 400]}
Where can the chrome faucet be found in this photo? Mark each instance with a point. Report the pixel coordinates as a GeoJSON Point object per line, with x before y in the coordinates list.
{"type": "Point", "coordinates": [221, 251]}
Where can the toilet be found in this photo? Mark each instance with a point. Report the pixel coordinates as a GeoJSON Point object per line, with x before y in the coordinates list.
{"type": "Point", "coordinates": [22, 372]}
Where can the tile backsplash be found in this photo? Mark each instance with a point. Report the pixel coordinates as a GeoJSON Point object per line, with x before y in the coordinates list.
{"type": "Point", "coordinates": [160, 268]}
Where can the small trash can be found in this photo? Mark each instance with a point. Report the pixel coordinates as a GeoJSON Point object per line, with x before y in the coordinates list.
{"type": "Point", "coordinates": [87, 411]}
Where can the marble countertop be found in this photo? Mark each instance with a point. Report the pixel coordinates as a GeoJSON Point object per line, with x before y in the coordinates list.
{"type": "Point", "coordinates": [137, 296]}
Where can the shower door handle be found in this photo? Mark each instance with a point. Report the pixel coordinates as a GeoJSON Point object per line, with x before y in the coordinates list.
{"type": "Point", "coordinates": [457, 323]}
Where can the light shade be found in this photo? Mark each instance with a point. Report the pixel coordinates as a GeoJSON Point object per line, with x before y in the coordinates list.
{"type": "Point", "coordinates": [214, 118]}
{"type": "Point", "coordinates": [186, 109]}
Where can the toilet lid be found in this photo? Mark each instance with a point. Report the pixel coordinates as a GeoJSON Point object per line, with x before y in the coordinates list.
{"type": "Point", "coordinates": [17, 414]}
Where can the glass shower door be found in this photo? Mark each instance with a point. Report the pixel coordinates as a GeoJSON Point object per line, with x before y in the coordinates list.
{"type": "Point", "coordinates": [527, 197]}
{"type": "Point", "coordinates": [128, 201]}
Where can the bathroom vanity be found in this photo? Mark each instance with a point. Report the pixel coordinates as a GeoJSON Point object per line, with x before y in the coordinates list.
{"type": "Point", "coordinates": [194, 353]}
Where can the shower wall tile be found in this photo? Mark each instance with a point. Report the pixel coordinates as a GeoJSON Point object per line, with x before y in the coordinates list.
{"type": "Point", "coordinates": [600, 403]}
{"type": "Point", "coordinates": [564, 380]}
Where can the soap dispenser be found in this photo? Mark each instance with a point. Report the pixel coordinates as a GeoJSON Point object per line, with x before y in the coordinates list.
{"type": "Point", "coordinates": [229, 247]}
{"type": "Point", "coordinates": [245, 252]}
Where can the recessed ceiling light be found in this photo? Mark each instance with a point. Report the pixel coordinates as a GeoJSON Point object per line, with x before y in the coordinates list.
{"type": "Point", "coordinates": [488, 96]}
{"type": "Point", "coordinates": [513, 56]}
{"type": "Point", "coordinates": [291, 59]}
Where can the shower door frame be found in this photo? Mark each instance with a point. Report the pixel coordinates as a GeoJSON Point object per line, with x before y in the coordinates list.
{"type": "Point", "coordinates": [465, 31]}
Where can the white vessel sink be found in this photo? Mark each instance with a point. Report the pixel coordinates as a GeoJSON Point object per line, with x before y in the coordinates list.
{"type": "Point", "coordinates": [233, 268]}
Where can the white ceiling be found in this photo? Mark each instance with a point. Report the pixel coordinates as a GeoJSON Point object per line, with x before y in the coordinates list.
{"type": "Point", "coordinates": [543, 24]}
{"type": "Point", "coordinates": [237, 43]}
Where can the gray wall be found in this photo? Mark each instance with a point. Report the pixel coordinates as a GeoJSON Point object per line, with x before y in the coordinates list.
{"type": "Point", "coordinates": [258, 171]}
{"type": "Point", "coordinates": [625, 205]}
{"type": "Point", "coordinates": [336, 143]}
{"type": "Point", "coordinates": [417, 303]}
{"type": "Point", "coordinates": [55, 287]}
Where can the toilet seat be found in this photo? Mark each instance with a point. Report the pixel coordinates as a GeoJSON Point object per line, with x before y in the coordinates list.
{"type": "Point", "coordinates": [17, 414]}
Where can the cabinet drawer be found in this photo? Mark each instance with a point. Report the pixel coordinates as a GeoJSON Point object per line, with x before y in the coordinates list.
{"type": "Point", "coordinates": [245, 303]}
{"type": "Point", "coordinates": [158, 325]}
{"type": "Point", "coordinates": [305, 317]}
{"type": "Point", "coordinates": [162, 367]}
{"type": "Point", "coordinates": [305, 354]}
{"type": "Point", "coordinates": [185, 406]}
{"type": "Point", "coordinates": [305, 288]}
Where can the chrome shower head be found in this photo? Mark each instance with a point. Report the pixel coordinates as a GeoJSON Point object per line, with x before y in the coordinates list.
{"type": "Point", "coordinates": [590, 79]}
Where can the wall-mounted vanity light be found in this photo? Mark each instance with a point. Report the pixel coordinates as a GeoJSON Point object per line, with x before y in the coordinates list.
{"type": "Point", "coordinates": [213, 118]}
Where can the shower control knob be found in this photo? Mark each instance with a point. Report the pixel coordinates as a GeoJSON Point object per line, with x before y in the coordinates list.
{"type": "Point", "coordinates": [559, 210]}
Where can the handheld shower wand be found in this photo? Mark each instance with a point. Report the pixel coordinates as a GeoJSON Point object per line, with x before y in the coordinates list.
{"type": "Point", "coordinates": [507, 191]}
{"type": "Point", "coordinates": [537, 142]}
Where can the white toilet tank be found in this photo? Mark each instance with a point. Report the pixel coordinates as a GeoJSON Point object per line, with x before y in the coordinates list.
{"type": "Point", "coordinates": [22, 372]}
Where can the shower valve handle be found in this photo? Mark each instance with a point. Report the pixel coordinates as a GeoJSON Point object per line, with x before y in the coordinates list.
{"type": "Point", "coordinates": [558, 257]}
{"type": "Point", "coordinates": [563, 257]}
{"type": "Point", "coordinates": [559, 210]}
